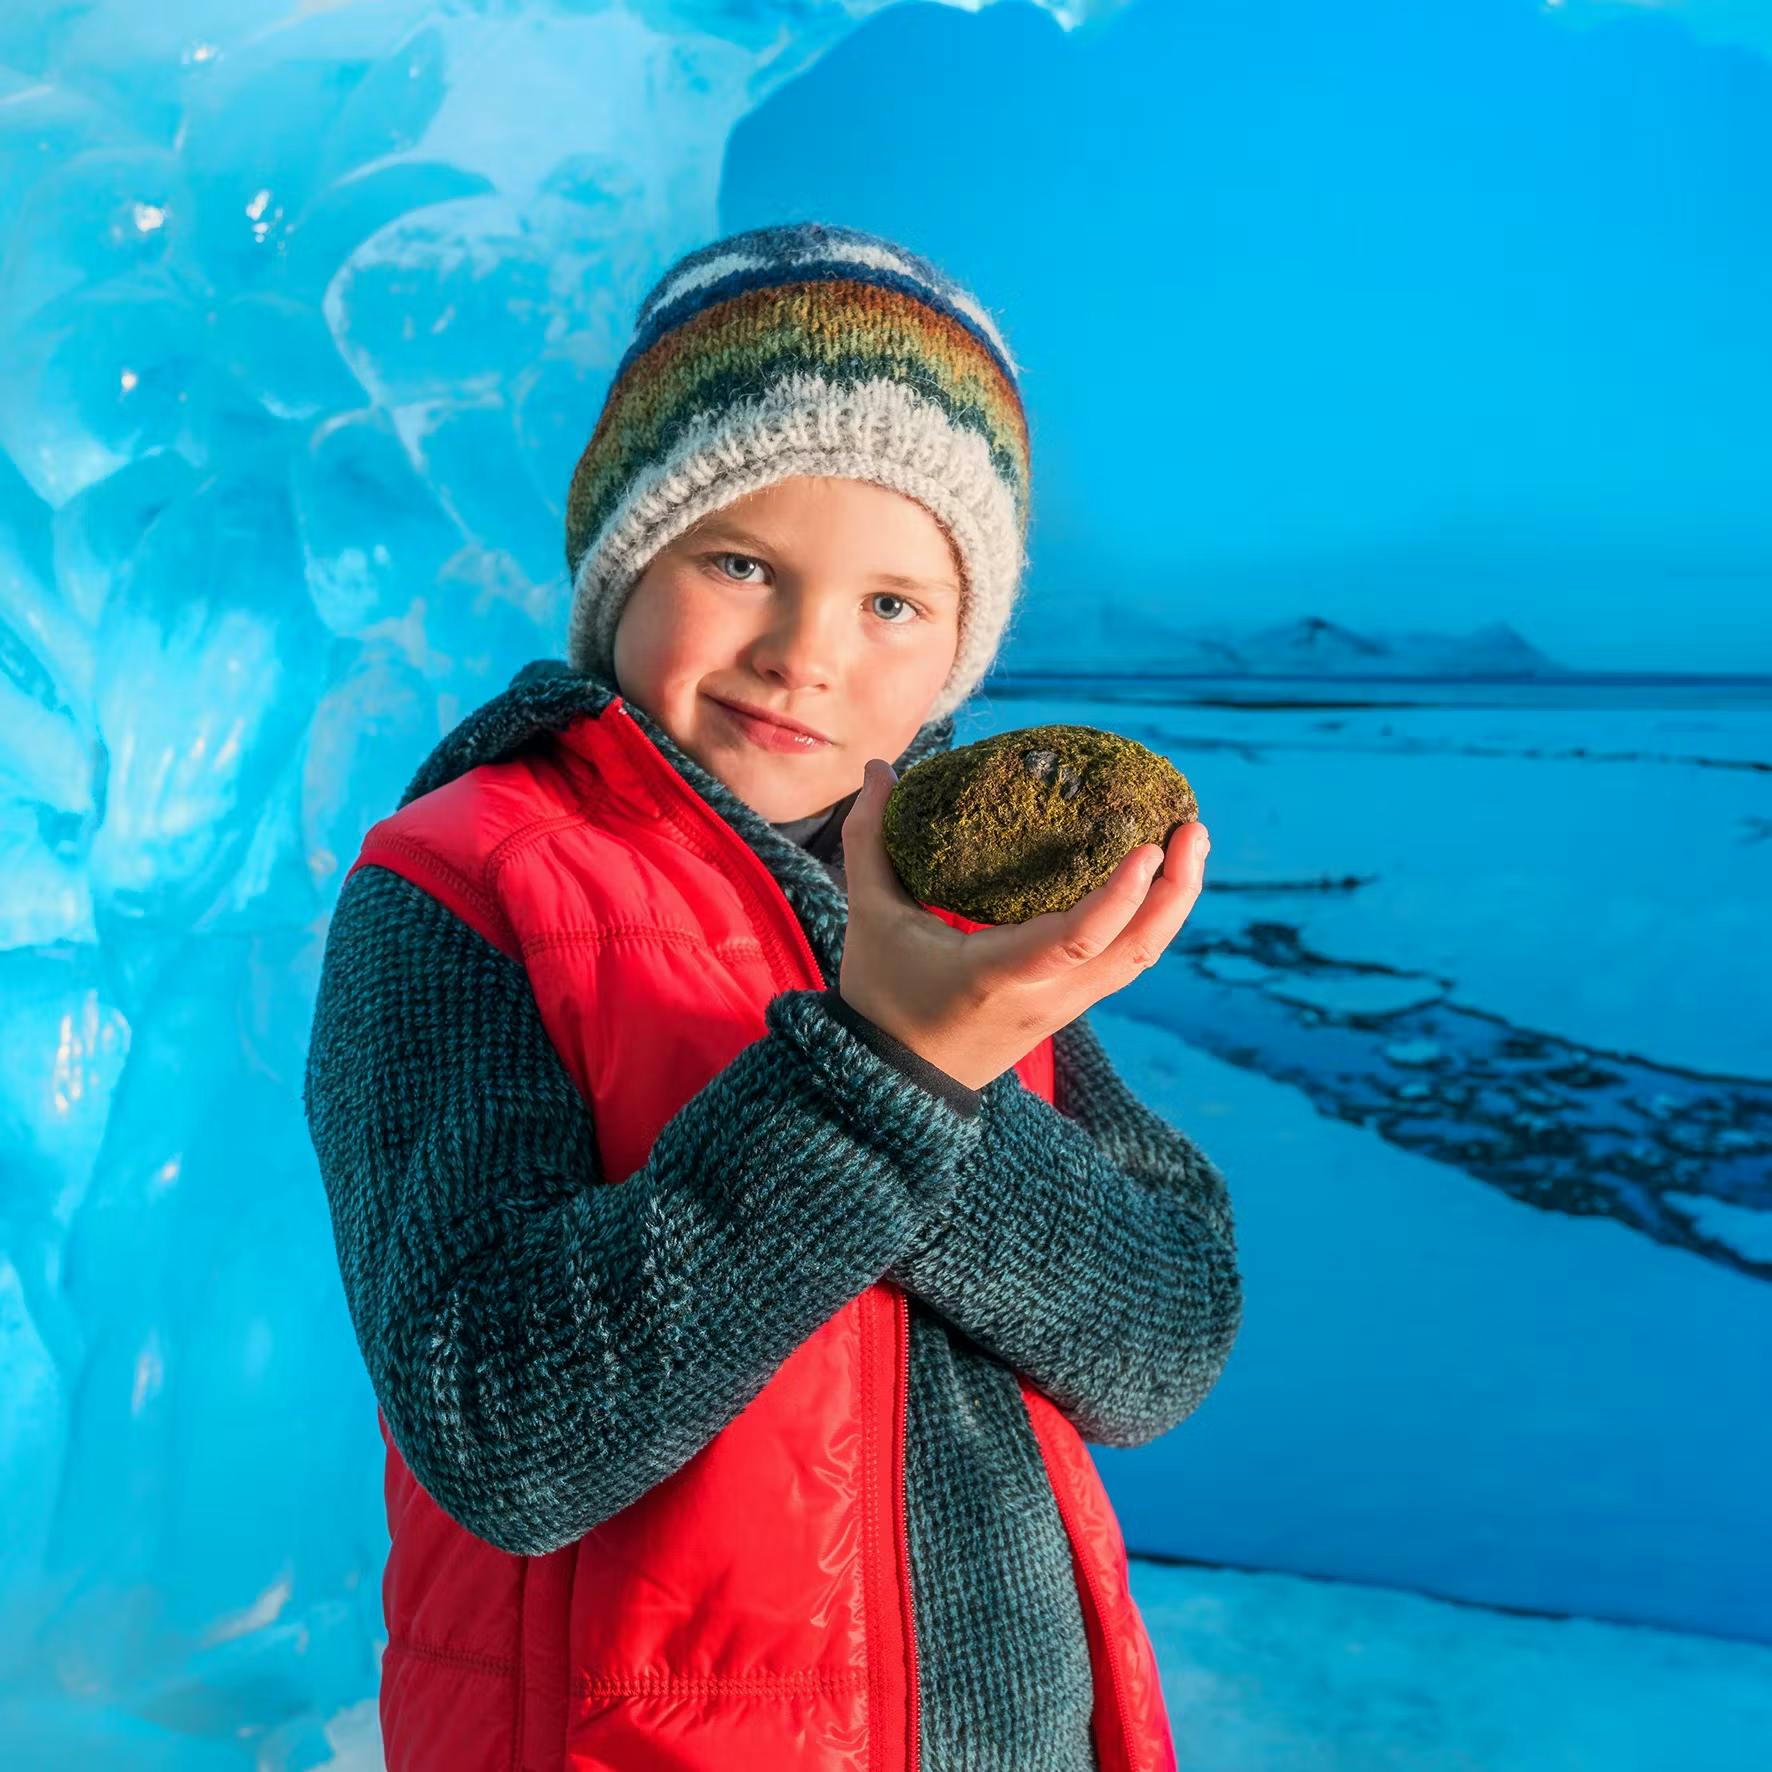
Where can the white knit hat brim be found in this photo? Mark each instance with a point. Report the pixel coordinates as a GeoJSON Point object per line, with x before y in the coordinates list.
{"type": "Point", "coordinates": [880, 431]}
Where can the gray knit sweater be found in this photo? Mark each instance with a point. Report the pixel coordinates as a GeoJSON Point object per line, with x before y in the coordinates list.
{"type": "Point", "coordinates": [538, 1375]}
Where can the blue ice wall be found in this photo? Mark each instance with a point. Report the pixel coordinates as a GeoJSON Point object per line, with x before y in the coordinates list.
{"type": "Point", "coordinates": [306, 316]}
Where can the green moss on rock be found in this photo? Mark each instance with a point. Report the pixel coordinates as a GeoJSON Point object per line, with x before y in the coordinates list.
{"type": "Point", "coordinates": [1029, 821]}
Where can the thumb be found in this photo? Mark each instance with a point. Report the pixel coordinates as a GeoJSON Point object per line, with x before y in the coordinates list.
{"type": "Point", "coordinates": [865, 861]}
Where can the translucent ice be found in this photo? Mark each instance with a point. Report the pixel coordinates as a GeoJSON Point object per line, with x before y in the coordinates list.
{"type": "Point", "coordinates": [304, 311]}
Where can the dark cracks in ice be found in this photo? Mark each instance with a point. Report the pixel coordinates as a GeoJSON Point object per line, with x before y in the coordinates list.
{"type": "Point", "coordinates": [1553, 1123]}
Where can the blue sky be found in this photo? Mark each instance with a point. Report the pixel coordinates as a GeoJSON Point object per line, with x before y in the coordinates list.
{"type": "Point", "coordinates": [1406, 313]}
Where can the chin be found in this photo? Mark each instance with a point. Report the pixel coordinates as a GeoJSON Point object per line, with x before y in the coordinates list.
{"type": "Point", "coordinates": [778, 808]}
{"type": "Point", "coordinates": [777, 800]}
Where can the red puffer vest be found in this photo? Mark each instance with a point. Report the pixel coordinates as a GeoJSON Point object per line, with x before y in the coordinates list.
{"type": "Point", "coordinates": [753, 1610]}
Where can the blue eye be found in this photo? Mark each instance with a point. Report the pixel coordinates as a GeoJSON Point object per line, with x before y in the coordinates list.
{"type": "Point", "coordinates": [893, 597]}
{"type": "Point", "coordinates": [918, 612]}
{"type": "Point", "coordinates": [751, 557]}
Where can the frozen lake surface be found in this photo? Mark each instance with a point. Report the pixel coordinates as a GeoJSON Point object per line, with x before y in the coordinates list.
{"type": "Point", "coordinates": [1517, 937]}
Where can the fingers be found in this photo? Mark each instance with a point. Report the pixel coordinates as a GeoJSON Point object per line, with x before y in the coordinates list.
{"type": "Point", "coordinates": [1173, 892]}
{"type": "Point", "coordinates": [1126, 922]}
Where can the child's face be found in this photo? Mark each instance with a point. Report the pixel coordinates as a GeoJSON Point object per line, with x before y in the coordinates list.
{"type": "Point", "coordinates": [773, 601]}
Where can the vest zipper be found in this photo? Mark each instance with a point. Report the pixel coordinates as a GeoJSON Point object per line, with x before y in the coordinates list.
{"type": "Point", "coordinates": [913, 1739]}
{"type": "Point", "coordinates": [1109, 1648]}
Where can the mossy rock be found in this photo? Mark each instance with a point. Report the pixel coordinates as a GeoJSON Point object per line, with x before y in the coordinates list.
{"type": "Point", "coordinates": [1028, 821]}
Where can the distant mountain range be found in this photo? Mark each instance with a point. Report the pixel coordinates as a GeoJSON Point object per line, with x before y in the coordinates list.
{"type": "Point", "coordinates": [1307, 647]}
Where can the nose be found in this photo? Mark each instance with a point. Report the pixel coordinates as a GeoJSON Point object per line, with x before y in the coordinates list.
{"type": "Point", "coordinates": [801, 640]}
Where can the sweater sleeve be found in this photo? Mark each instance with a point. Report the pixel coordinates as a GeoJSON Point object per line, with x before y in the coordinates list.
{"type": "Point", "coordinates": [1088, 1244]}
{"type": "Point", "coordinates": [545, 1346]}
{"type": "Point", "coordinates": [911, 1063]}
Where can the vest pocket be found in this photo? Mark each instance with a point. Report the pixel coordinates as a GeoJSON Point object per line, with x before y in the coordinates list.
{"type": "Point", "coordinates": [720, 1620]}
{"type": "Point", "coordinates": [445, 1707]}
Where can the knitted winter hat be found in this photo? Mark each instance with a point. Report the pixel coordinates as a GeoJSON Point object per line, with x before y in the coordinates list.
{"type": "Point", "coordinates": [804, 349]}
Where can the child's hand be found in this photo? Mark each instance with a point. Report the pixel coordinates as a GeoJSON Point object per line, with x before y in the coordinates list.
{"type": "Point", "coordinates": [975, 1003]}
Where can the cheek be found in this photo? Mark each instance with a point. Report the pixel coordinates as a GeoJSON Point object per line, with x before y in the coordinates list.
{"type": "Point", "coordinates": [656, 624]}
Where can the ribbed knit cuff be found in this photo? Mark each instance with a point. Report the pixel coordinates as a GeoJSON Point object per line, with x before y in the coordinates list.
{"type": "Point", "coordinates": [912, 1063]}
{"type": "Point", "coordinates": [914, 1126]}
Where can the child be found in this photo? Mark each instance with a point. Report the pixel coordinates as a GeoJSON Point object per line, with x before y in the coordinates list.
{"type": "Point", "coordinates": [772, 1453]}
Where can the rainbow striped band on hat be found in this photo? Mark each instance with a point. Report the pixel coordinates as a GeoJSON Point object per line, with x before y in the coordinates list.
{"type": "Point", "coordinates": [804, 349]}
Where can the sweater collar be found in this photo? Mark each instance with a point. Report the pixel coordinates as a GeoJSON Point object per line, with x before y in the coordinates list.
{"type": "Point", "coordinates": [547, 695]}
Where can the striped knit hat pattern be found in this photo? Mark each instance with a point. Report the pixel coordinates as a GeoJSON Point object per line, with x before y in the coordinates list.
{"type": "Point", "coordinates": [804, 349]}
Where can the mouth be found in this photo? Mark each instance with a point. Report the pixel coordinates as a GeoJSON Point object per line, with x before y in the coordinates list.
{"type": "Point", "coordinates": [772, 732]}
